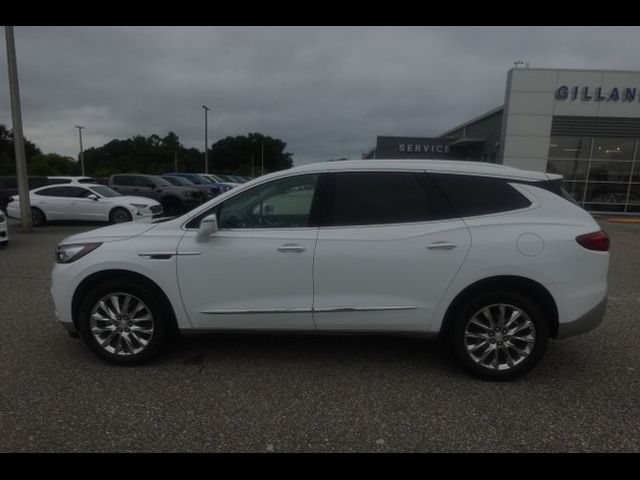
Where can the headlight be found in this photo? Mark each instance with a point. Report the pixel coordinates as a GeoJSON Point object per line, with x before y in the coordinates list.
{"type": "Point", "coordinates": [72, 252]}
{"type": "Point", "coordinates": [138, 205]}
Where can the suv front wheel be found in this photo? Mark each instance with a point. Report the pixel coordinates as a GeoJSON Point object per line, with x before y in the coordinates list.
{"type": "Point", "coordinates": [122, 323]}
{"type": "Point", "coordinates": [499, 335]}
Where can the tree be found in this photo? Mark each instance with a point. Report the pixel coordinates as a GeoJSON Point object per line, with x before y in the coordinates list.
{"type": "Point", "coordinates": [233, 154]}
{"type": "Point", "coordinates": [52, 164]}
{"type": "Point", "coordinates": [7, 151]}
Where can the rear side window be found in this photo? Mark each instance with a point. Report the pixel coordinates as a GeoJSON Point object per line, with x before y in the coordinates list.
{"type": "Point", "coordinates": [475, 195]}
{"type": "Point", "coordinates": [124, 180]}
{"type": "Point", "coordinates": [53, 192]}
{"type": "Point", "coordinates": [375, 198]}
{"type": "Point", "coordinates": [55, 181]}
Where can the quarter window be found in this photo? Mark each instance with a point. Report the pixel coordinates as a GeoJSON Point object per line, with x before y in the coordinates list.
{"type": "Point", "coordinates": [475, 195]}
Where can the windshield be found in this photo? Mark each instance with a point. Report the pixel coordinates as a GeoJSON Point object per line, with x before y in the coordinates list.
{"type": "Point", "coordinates": [206, 178]}
{"type": "Point", "coordinates": [160, 181]}
{"type": "Point", "coordinates": [105, 191]}
{"type": "Point", "coordinates": [196, 179]}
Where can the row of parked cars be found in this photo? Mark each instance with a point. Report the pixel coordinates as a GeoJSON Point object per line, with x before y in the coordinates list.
{"type": "Point", "coordinates": [116, 199]}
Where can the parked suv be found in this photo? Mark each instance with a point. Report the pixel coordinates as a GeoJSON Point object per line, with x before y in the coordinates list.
{"type": "Point", "coordinates": [207, 193]}
{"type": "Point", "coordinates": [174, 199]}
{"type": "Point", "coordinates": [494, 260]}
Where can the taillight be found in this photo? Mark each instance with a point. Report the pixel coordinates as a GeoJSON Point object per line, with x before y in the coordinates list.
{"type": "Point", "coordinates": [594, 241]}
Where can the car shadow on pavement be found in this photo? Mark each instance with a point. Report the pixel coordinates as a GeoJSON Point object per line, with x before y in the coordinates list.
{"type": "Point", "coordinates": [343, 349]}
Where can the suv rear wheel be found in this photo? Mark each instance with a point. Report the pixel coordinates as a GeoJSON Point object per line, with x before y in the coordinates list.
{"type": "Point", "coordinates": [499, 335]}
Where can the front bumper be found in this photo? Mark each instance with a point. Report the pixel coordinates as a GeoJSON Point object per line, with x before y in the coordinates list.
{"type": "Point", "coordinates": [585, 322]}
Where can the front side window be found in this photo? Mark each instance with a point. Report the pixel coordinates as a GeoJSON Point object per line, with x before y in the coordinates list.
{"type": "Point", "coordinates": [378, 198]}
{"type": "Point", "coordinates": [283, 203]}
{"type": "Point", "coordinates": [78, 192]}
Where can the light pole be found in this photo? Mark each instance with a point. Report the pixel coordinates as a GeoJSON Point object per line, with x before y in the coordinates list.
{"type": "Point", "coordinates": [18, 139]}
{"type": "Point", "coordinates": [81, 149]}
{"type": "Point", "coordinates": [206, 141]}
{"type": "Point", "coordinates": [262, 155]}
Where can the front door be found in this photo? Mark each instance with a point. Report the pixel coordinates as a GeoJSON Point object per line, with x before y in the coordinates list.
{"type": "Point", "coordinates": [256, 272]}
{"type": "Point", "coordinates": [386, 252]}
{"type": "Point", "coordinates": [84, 208]}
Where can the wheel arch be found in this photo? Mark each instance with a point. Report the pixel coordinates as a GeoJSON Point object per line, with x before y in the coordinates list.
{"type": "Point", "coordinates": [118, 274]}
{"type": "Point", "coordinates": [526, 286]}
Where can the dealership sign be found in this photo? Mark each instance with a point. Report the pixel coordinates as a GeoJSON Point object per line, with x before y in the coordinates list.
{"type": "Point", "coordinates": [422, 148]}
{"type": "Point", "coordinates": [597, 94]}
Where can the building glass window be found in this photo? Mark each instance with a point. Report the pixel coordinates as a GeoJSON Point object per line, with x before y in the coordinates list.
{"type": "Point", "coordinates": [613, 148]}
{"type": "Point", "coordinates": [570, 147]}
{"type": "Point", "coordinates": [602, 174]}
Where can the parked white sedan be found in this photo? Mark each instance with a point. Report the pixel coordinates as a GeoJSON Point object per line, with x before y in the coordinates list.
{"type": "Point", "coordinates": [4, 232]}
{"type": "Point", "coordinates": [96, 203]}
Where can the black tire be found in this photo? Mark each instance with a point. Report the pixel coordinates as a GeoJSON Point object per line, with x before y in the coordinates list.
{"type": "Point", "coordinates": [38, 218]}
{"type": "Point", "coordinates": [171, 207]}
{"type": "Point", "coordinates": [462, 319]}
{"type": "Point", "coordinates": [120, 215]}
{"type": "Point", "coordinates": [160, 322]}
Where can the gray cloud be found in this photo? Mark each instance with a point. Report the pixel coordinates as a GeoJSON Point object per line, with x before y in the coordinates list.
{"type": "Point", "coordinates": [327, 92]}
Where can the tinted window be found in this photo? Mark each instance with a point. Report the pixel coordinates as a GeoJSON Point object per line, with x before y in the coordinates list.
{"type": "Point", "coordinates": [77, 192]}
{"type": "Point", "coordinates": [87, 180]}
{"type": "Point", "coordinates": [55, 181]}
{"type": "Point", "coordinates": [374, 198]}
{"type": "Point", "coordinates": [125, 180]}
{"type": "Point", "coordinates": [53, 192]}
{"type": "Point", "coordinates": [476, 195]}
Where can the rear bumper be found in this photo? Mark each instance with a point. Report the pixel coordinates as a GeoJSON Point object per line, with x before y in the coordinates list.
{"type": "Point", "coordinates": [585, 322]}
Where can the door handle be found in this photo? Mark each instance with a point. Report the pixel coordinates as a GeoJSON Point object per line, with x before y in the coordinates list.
{"type": "Point", "coordinates": [291, 247]}
{"type": "Point", "coordinates": [441, 245]}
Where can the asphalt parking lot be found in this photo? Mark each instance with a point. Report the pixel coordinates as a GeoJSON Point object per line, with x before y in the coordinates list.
{"type": "Point", "coordinates": [263, 393]}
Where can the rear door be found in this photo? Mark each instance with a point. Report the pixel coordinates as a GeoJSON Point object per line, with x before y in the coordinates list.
{"type": "Point", "coordinates": [388, 246]}
{"type": "Point", "coordinates": [53, 201]}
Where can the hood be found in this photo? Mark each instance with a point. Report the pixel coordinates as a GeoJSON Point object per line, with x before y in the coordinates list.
{"type": "Point", "coordinates": [112, 233]}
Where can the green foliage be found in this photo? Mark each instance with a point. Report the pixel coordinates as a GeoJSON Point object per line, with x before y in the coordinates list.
{"type": "Point", "coordinates": [154, 155]}
{"type": "Point", "coordinates": [52, 164]}
{"type": "Point", "coordinates": [233, 155]}
{"type": "Point", "coordinates": [7, 151]}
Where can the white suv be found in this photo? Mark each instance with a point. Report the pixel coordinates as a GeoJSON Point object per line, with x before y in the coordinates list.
{"type": "Point", "coordinates": [493, 259]}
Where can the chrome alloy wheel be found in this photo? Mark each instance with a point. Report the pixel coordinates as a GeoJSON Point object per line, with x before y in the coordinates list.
{"type": "Point", "coordinates": [499, 336]}
{"type": "Point", "coordinates": [121, 324]}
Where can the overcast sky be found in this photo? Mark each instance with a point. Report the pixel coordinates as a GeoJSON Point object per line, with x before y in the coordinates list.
{"type": "Point", "coordinates": [327, 92]}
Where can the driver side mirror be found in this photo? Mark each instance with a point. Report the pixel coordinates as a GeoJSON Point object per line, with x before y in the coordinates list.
{"type": "Point", "coordinates": [93, 196]}
{"type": "Point", "coordinates": [208, 226]}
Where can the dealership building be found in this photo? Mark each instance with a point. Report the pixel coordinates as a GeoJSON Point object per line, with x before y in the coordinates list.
{"type": "Point", "coordinates": [583, 124]}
